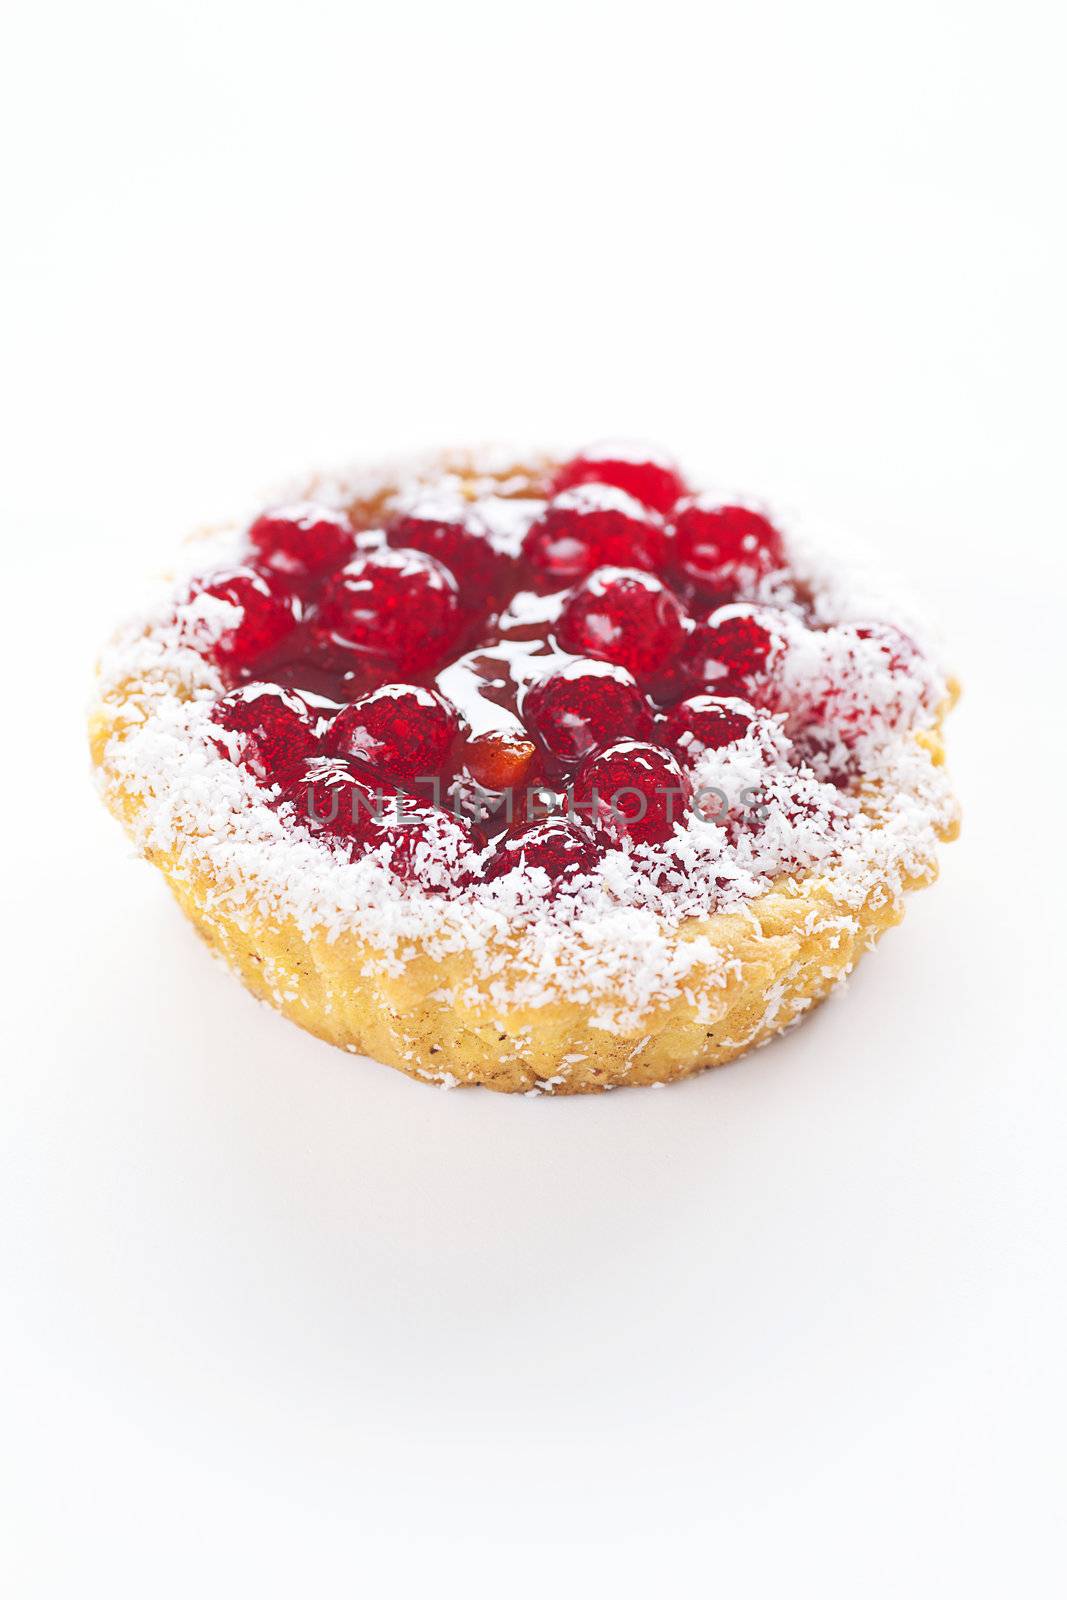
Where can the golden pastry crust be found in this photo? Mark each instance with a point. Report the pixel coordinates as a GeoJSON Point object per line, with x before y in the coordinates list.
{"type": "Point", "coordinates": [779, 958]}
{"type": "Point", "coordinates": [429, 1012]}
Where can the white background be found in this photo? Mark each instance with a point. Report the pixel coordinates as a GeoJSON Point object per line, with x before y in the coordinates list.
{"type": "Point", "coordinates": [274, 1320]}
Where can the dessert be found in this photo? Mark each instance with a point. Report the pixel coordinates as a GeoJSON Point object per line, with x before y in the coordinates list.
{"type": "Point", "coordinates": [549, 775]}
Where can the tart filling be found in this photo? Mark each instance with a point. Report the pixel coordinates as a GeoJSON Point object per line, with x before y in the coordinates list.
{"type": "Point", "coordinates": [556, 717]}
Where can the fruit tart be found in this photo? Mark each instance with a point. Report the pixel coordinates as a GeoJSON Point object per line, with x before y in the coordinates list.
{"type": "Point", "coordinates": [549, 775]}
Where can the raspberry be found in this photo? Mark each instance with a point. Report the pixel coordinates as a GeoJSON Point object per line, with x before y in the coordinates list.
{"type": "Point", "coordinates": [301, 542]}
{"type": "Point", "coordinates": [734, 653]}
{"type": "Point", "coordinates": [330, 799]}
{"type": "Point", "coordinates": [619, 614]}
{"type": "Point", "coordinates": [593, 527]}
{"type": "Point", "coordinates": [560, 848]}
{"type": "Point", "coordinates": [400, 607]}
{"type": "Point", "coordinates": [273, 728]}
{"type": "Point", "coordinates": [785, 806]}
{"type": "Point", "coordinates": [706, 722]}
{"type": "Point", "coordinates": [266, 617]}
{"type": "Point", "coordinates": [461, 548]}
{"type": "Point", "coordinates": [401, 730]}
{"type": "Point", "coordinates": [827, 753]}
{"type": "Point", "coordinates": [584, 706]}
{"type": "Point", "coordinates": [871, 678]}
{"type": "Point", "coordinates": [899, 649]}
{"type": "Point", "coordinates": [430, 848]}
{"type": "Point", "coordinates": [724, 549]}
{"type": "Point", "coordinates": [633, 791]}
{"type": "Point", "coordinates": [653, 480]}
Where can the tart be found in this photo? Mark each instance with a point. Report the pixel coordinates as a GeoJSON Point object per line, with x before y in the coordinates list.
{"type": "Point", "coordinates": [549, 775]}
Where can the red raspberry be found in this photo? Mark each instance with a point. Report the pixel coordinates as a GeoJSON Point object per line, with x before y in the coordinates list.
{"type": "Point", "coordinates": [706, 722]}
{"type": "Point", "coordinates": [724, 549]}
{"type": "Point", "coordinates": [633, 791]}
{"type": "Point", "coordinates": [827, 753]}
{"type": "Point", "coordinates": [734, 653]}
{"type": "Point", "coordinates": [399, 729]}
{"type": "Point", "coordinates": [453, 541]}
{"type": "Point", "coordinates": [583, 706]}
{"type": "Point", "coordinates": [649, 477]}
{"type": "Point", "coordinates": [901, 652]}
{"type": "Point", "coordinates": [560, 848]}
{"type": "Point", "coordinates": [266, 617]}
{"type": "Point", "coordinates": [433, 849]}
{"type": "Point", "coordinates": [301, 542]}
{"type": "Point", "coordinates": [870, 677]}
{"type": "Point", "coordinates": [593, 527]}
{"type": "Point", "coordinates": [782, 805]}
{"type": "Point", "coordinates": [619, 614]}
{"type": "Point", "coordinates": [399, 607]}
{"type": "Point", "coordinates": [332, 800]}
{"type": "Point", "coordinates": [273, 727]}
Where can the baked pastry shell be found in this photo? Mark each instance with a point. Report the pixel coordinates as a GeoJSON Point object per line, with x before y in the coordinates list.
{"type": "Point", "coordinates": [763, 969]}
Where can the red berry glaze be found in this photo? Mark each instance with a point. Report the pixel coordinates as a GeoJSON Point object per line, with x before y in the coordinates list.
{"type": "Point", "coordinates": [622, 615]}
{"type": "Point", "coordinates": [302, 542]}
{"type": "Point", "coordinates": [273, 729]}
{"type": "Point", "coordinates": [560, 848]}
{"type": "Point", "coordinates": [706, 722]}
{"type": "Point", "coordinates": [265, 620]}
{"type": "Point", "coordinates": [654, 481]}
{"type": "Point", "coordinates": [397, 607]}
{"type": "Point", "coordinates": [724, 548]}
{"type": "Point", "coordinates": [583, 706]}
{"type": "Point", "coordinates": [459, 546]}
{"type": "Point", "coordinates": [593, 527]}
{"type": "Point", "coordinates": [633, 791]}
{"type": "Point", "coordinates": [401, 730]}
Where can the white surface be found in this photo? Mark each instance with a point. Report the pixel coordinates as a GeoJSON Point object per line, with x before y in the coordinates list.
{"type": "Point", "coordinates": [275, 1320]}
